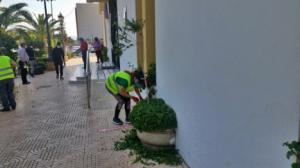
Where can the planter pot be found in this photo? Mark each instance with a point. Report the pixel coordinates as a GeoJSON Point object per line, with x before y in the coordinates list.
{"type": "Point", "coordinates": [157, 139]}
{"type": "Point", "coordinates": [38, 69]}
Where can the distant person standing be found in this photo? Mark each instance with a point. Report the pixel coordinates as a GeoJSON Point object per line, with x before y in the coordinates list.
{"type": "Point", "coordinates": [98, 46]}
{"type": "Point", "coordinates": [83, 49]}
{"type": "Point", "coordinates": [23, 61]}
{"type": "Point", "coordinates": [58, 57]}
{"type": "Point", "coordinates": [7, 67]}
{"type": "Point", "coordinates": [32, 61]}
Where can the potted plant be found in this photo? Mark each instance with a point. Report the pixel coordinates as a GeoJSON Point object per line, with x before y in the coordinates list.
{"type": "Point", "coordinates": [155, 122]}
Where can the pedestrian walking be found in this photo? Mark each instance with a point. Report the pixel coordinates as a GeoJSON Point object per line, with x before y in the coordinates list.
{"type": "Point", "coordinates": [32, 61]}
{"type": "Point", "coordinates": [98, 46]}
{"type": "Point", "coordinates": [58, 57]}
{"type": "Point", "coordinates": [7, 66]}
{"type": "Point", "coordinates": [23, 63]}
{"type": "Point", "coordinates": [83, 49]}
{"type": "Point", "coordinates": [119, 84]}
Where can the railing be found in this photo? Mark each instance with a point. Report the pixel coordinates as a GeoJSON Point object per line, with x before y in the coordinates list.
{"type": "Point", "coordinates": [88, 78]}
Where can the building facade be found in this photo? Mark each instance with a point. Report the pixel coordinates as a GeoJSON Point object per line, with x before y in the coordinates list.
{"type": "Point", "coordinates": [230, 69]}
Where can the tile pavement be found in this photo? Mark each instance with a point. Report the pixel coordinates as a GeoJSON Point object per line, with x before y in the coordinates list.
{"type": "Point", "coordinates": [52, 127]}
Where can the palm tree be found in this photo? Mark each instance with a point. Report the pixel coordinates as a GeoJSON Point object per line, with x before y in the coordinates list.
{"type": "Point", "coordinates": [36, 26]}
{"type": "Point", "coordinates": [12, 15]}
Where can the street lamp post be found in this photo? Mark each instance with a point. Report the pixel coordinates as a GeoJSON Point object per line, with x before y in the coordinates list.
{"type": "Point", "coordinates": [47, 29]}
{"type": "Point", "coordinates": [61, 22]}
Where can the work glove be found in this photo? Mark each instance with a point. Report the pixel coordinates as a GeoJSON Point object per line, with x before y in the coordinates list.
{"type": "Point", "coordinates": [135, 99]}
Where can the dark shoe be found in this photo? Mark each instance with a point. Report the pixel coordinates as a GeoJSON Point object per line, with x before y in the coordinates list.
{"type": "Point", "coordinates": [117, 121]}
{"type": "Point", "coordinates": [26, 83]}
{"type": "Point", "coordinates": [13, 107]}
{"type": "Point", "coordinates": [127, 121]}
{"type": "Point", "coordinates": [61, 78]}
{"type": "Point", "coordinates": [5, 110]}
{"type": "Point", "coordinates": [97, 62]}
{"type": "Point", "coordinates": [56, 76]}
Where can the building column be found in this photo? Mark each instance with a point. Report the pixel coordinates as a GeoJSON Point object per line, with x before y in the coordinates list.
{"type": "Point", "coordinates": [145, 12]}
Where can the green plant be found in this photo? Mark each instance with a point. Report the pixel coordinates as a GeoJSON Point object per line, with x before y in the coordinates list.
{"type": "Point", "coordinates": [151, 80]}
{"type": "Point", "coordinates": [293, 151]}
{"type": "Point", "coordinates": [143, 154]}
{"type": "Point", "coordinates": [104, 54]}
{"type": "Point", "coordinates": [151, 76]}
{"type": "Point", "coordinates": [153, 115]}
{"type": "Point", "coordinates": [9, 43]}
{"type": "Point", "coordinates": [125, 40]}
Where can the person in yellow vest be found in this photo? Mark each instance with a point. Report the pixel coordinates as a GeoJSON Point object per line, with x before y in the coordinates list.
{"type": "Point", "coordinates": [7, 76]}
{"type": "Point", "coordinates": [119, 84]}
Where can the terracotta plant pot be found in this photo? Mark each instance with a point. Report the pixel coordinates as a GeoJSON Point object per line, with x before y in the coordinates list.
{"type": "Point", "coordinates": [157, 139]}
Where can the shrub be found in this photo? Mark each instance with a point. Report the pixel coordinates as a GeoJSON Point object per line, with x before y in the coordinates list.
{"type": "Point", "coordinates": [104, 54]}
{"type": "Point", "coordinates": [294, 151]}
{"type": "Point", "coordinates": [153, 115]}
{"type": "Point", "coordinates": [9, 43]}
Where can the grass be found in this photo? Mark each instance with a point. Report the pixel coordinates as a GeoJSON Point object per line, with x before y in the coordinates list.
{"type": "Point", "coordinates": [145, 154]}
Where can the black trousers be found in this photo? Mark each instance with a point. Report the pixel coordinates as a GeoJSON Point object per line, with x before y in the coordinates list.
{"type": "Point", "coordinates": [6, 93]}
{"type": "Point", "coordinates": [83, 53]}
{"type": "Point", "coordinates": [59, 68]}
{"type": "Point", "coordinates": [99, 56]}
{"type": "Point", "coordinates": [23, 72]}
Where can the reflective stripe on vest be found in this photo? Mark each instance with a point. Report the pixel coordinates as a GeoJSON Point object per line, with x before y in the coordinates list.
{"type": "Point", "coordinates": [112, 85]}
{"type": "Point", "coordinates": [6, 72]}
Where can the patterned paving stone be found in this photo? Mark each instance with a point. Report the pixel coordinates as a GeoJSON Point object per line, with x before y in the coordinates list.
{"type": "Point", "coordinates": [52, 127]}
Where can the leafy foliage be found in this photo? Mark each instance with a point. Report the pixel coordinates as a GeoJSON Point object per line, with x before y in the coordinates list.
{"type": "Point", "coordinates": [133, 25]}
{"type": "Point", "coordinates": [37, 44]}
{"type": "Point", "coordinates": [143, 154]}
{"type": "Point", "coordinates": [293, 151]}
{"type": "Point", "coordinates": [125, 36]}
{"type": "Point", "coordinates": [104, 54]}
{"type": "Point", "coordinates": [36, 27]}
{"type": "Point", "coordinates": [153, 115]}
{"type": "Point", "coordinates": [151, 75]}
{"type": "Point", "coordinates": [12, 15]}
{"type": "Point", "coordinates": [9, 43]}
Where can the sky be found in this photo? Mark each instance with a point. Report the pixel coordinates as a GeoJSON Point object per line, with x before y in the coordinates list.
{"type": "Point", "coordinates": [66, 7]}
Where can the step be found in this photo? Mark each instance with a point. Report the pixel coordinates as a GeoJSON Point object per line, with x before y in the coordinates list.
{"type": "Point", "coordinates": [79, 75]}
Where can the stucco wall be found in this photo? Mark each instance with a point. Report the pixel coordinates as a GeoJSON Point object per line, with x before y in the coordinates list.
{"type": "Point", "coordinates": [89, 20]}
{"type": "Point", "coordinates": [129, 59]}
{"type": "Point", "coordinates": [231, 71]}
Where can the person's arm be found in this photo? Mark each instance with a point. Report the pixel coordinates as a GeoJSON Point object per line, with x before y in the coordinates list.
{"type": "Point", "coordinates": [26, 57]}
{"type": "Point", "coordinates": [137, 91]}
{"type": "Point", "coordinates": [13, 64]}
{"type": "Point", "coordinates": [123, 92]}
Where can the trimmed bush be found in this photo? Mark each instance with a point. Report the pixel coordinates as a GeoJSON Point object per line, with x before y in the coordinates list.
{"type": "Point", "coordinates": [153, 115]}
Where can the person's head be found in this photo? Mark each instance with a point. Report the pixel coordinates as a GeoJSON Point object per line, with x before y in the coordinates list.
{"type": "Point", "coordinates": [3, 51]}
{"type": "Point", "coordinates": [22, 45]}
{"type": "Point", "coordinates": [58, 44]}
{"type": "Point", "coordinates": [81, 39]}
{"type": "Point", "coordinates": [96, 39]}
{"type": "Point", "coordinates": [138, 79]}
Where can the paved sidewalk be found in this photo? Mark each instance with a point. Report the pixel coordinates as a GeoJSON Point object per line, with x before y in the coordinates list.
{"type": "Point", "coordinates": [52, 127]}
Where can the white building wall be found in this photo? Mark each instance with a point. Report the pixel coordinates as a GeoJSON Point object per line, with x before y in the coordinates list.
{"type": "Point", "coordinates": [231, 71]}
{"type": "Point", "coordinates": [129, 58]}
{"type": "Point", "coordinates": [89, 21]}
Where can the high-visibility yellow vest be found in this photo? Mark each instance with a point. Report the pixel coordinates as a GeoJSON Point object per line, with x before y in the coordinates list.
{"type": "Point", "coordinates": [112, 85]}
{"type": "Point", "coordinates": [6, 71]}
